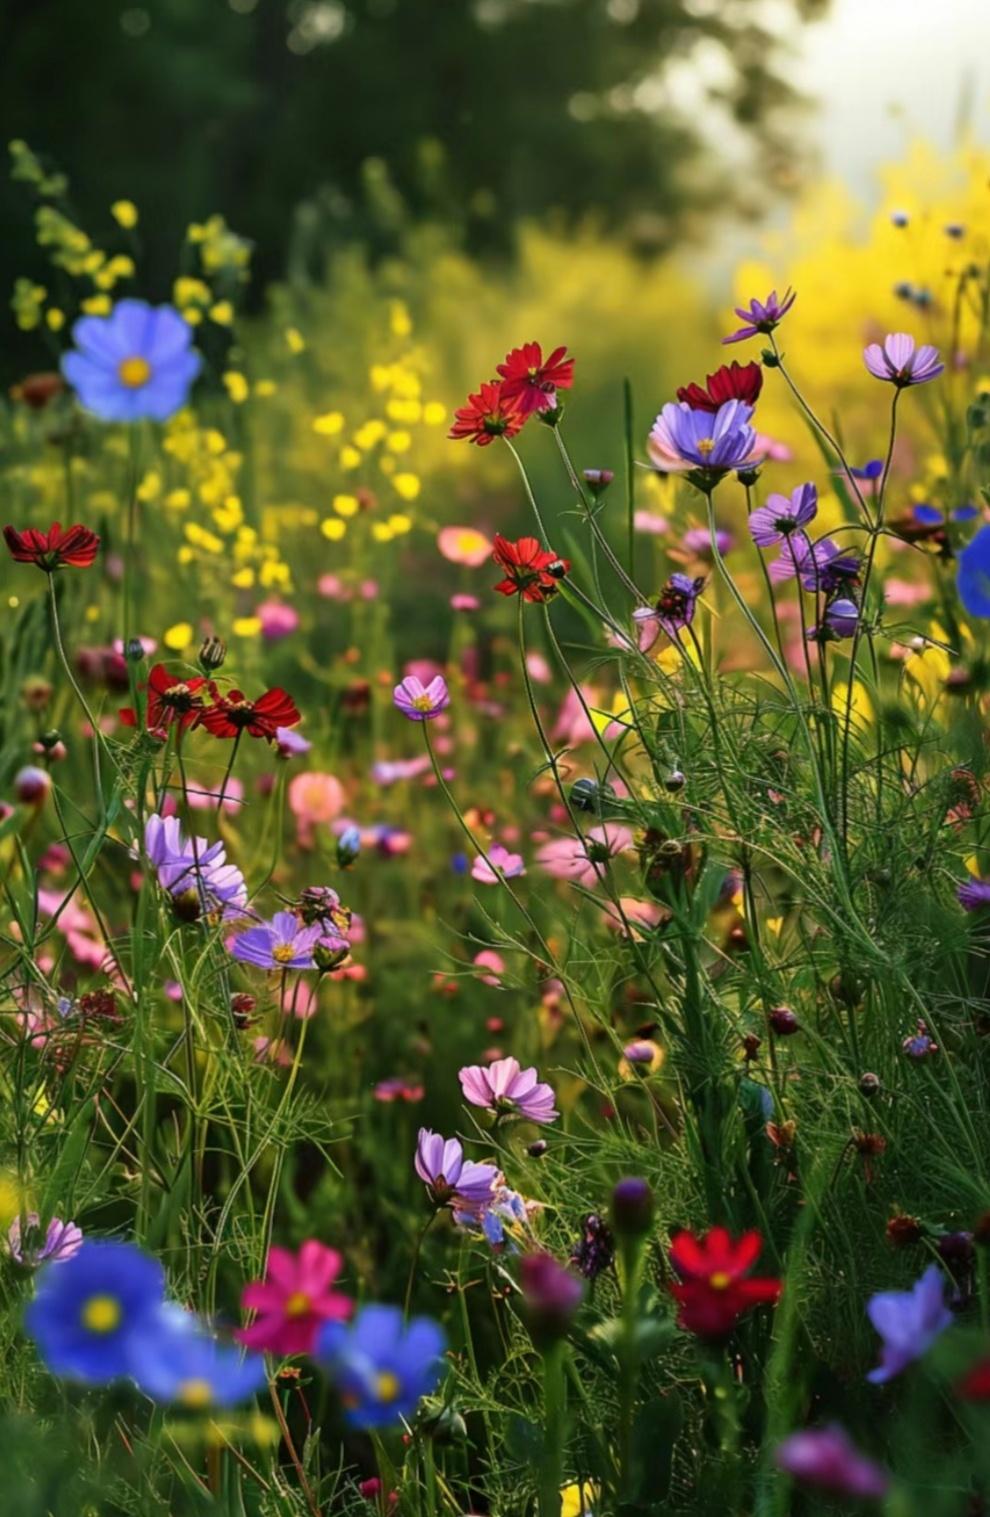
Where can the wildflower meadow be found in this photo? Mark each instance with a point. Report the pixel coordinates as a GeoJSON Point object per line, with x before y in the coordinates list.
{"type": "Point", "coordinates": [495, 871]}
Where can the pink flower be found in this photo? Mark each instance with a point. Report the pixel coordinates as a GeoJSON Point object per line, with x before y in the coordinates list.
{"type": "Point", "coordinates": [314, 798]}
{"type": "Point", "coordinates": [506, 1090]}
{"type": "Point", "coordinates": [464, 545]}
{"type": "Point", "coordinates": [650, 522]}
{"type": "Point", "coordinates": [573, 724]}
{"type": "Point", "coordinates": [277, 620]}
{"type": "Point", "coordinates": [204, 798]}
{"type": "Point", "coordinates": [332, 587]}
{"type": "Point", "coordinates": [462, 602]}
{"type": "Point", "coordinates": [899, 360]}
{"type": "Point", "coordinates": [294, 1299]}
{"type": "Point", "coordinates": [493, 962]}
{"type": "Point", "coordinates": [509, 864]}
{"type": "Point", "coordinates": [584, 861]}
{"type": "Point", "coordinates": [61, 1241]}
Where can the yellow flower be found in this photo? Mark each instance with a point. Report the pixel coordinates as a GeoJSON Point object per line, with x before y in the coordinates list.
{"type": "Point", "coordinates": [398, 442]}
{"type": "Point", "coordinates": [55, 319]}
{"type": "Point", "coordinates": [125, 214]}
{"type": "Point", "coordinates": [576, 1500]}
{"type": "Point", "coordinates": [264, 388]}
{"type": "Point", "coordinates": [243, 579]}
{"type": "Point", "coordinates": [246, 626]}
{"type": "Point", "coordinates": [434, 414]}
{"type": "Point", "coordinates": [407, 485]}
{"type": "Point", "coordinates": [399, 319]}
{"type": "Point", "coordinates": [222, 313]}
{"type": "Point", "coordinates": [178, 500]}
{"type": "Point", "coordinates": [237, 386]}
{"type": "Point", "coordinates": [381, 532]}
{"type": "Point", "coordinates": [400, 523]}
{"type": "Point", "coordinates": [97, 305]}
{"type": "Point", "coordinates": [178, 637]}
{"type": "Point", "coordinates": [191, 292]}
{"type": "Point", "coordinates": [150, 487]}
{"type": "Point", "coordinates": [294, 340]}
{"type": "Point", "coordinates": [346, 505]}
{"type": "Point", "coordinates": [406, 411]}
{"type": "Point", "coordinates": [185, 554]}
{"type": "Point", "coordinates": [329, 424]}
{"type": "Point", "coordinates": [368, 435]}
{"type": "Point", "coordinates": [862, 705]}
{"type": "Point", "coordinates": [350, 458]}
{"type": "Point", "coordinates": [333, 528]}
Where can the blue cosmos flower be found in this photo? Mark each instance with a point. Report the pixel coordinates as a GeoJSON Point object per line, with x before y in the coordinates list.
{"type": "Point", "coordinates": [908, 1322]}
{"type": "Point", "coordinates": [136, 363]}
{"type": "Point", "coordinates": [973, 574]}
{"type": "Point", "coordinates": [682, 440]}
{"type": "Point", "coordinates": [87, 1309]}
{"type": "Point", "coordinates": [173, 1359]}
{"type": "Point", "coordinates": [382, 1367]}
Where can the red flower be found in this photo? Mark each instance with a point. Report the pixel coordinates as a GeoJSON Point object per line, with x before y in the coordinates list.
{"type": "Point", "coordinates": [714, 1291]}
{"type": "Point", "coordinates": [487, 415]}
{"type": "Point", "coordinates": [975, 1384]}
{"type": "Point", "coordinates": [530, 571]}
{"type": "Point", "coordinates": [75, 547]}
{"type": "Point", "coordinates": [733, 381]}
{"type": "Point", "coordinates": [233, 715]}
{"type": "Point", "coordinates": [171, 697]}
{"type": "Point", "coordinates": [533, 383]}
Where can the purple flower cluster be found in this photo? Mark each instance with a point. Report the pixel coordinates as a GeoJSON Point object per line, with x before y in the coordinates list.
{"type": "Point", "coordinates": [193, 872]}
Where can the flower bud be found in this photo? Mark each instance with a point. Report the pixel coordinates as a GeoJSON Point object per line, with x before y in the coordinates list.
{"type": "Point", "coordinates": [444, 1426]}
{"type": "Point", "coordinates": [134, 652]}
{"type": "Point", "coordinates": [537, 1149]}
{"type": "Point", "coordinates": [598, 480]}
{"type": "Point", "coordinates": [632, 1207]}
{"type": "Point", "coordinates": [675, 781]}
{"type": "Point", "coordinates": [36, 693]}
{"type": "Point", "coordinates": [869, 1085]}
{"type": "Point", "coordinates": [783, 1021]}
{"type": "Point", "coordinates": [348, 846]}
{"type": "Point", "coordinates": [212, 654]}
{"type": "Point", "coordinates": [31, 785]}
{"type": "Point", "coordinates": [242, 1007]}
{"type": "Point", "coordinates": [769, 359]}
{"type": "Point", "coordinates": [750, 476]}
{"type": "Point", "coordinates": [329, 953]}
{"type": "Point", "coordinates": [552, 1295]}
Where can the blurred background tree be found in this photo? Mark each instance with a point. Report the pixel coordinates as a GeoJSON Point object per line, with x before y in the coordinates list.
{"type": "Point", "coordinates": [477, 113]}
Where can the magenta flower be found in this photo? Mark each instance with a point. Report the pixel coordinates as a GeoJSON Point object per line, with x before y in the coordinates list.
{"type": "Point", "coordinates": [294, 1299]}
{"type": "Point", "coordinates": [682, 440]}
{"type": "Point", "coordinates": [762, 315]}
{"type": "Point", "coordinates": [506, 1090]}
{"type": "Point", "coordinates": [450, 1179]}
{"type": "Point", "coordinates": [282, 943]}
{"type": "Point", "coordinates": [827, 1458]}
{"type": "Point", "coordinates": [61, 1241]}
{"type": "Point", "coordinates": [973, 894]}
{"type": "Point", "coordinates": [783, 515]}
{"type": "Point", "coordinates": [898, 360]}
{"type": "Point", "coordinates": [419, 702]}
{"type": "Point", "coordinates": [908, 1322]}
{"type": "Point", "coordinates": [584, 860]}
{"type": "Point", "coordinates": [505, 863]}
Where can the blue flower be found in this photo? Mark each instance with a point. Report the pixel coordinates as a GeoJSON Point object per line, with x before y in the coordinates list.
{"type": "Point", "coordinates": [173, 1359]}
{"type": "Point", "coordinates": [973, 576]}
{"type": "Point", "coordinates": [682, 440]}
{"type": "Point", "coordinates": [382, 1368]}
{"type": "Point", "coordinates": [137, 362]}
{"type": "Point", "coordinates": [87, 1308]}
{"type": "Point", "coordinates": [908, 1322]}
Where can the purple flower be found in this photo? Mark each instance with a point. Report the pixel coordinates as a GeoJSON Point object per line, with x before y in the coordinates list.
{"type": "Point", "coordinates": [762, 315]}
{"type": "Point", "coordinates": [194, 873]}
{"type": "Point", "coordinates": [552, 1295]}
{"type": "Point", "coordinates": [973, 894]}
{"type": "Point", "coordinates": [419, 702]}
{"type": "Point", "coordinates": [870, 471]}
{"type": "Point", "coordinates": [783, 515]}
{"type": "Point", "coordinates": [840, 620]}
{"type": "Point", "coordinates": [505, 863]}
{"type": "Point", "coordinates": [821, 566]}
{"type": "Point", "coordinates": [682, 440]}
{"type": "Point", "coordinates": [506, 1090]}
{"type": "Point", "coordinates": [450, 1179]}
{"type": "Point", "coordinates": [698, 540]}
{"type": "Point", "coordinates": [62, 1240]}
{"type": "Point", "coordinates": [898, 360]}
{"type": "Point", "coordinates": [827, 1458]}
{"type": "Point", "coordinates": [291, 744]}
{"type": "Point", "coordinates": [674, 608]}
{"type": "Point", "coordinates": [920, 1044]}
{"type": "Point", "coordinates": [282, 943]}
{"type": "Point", "coordinates": [908, 1322]}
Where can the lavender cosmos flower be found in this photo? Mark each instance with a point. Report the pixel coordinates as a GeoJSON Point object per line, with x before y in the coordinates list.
{"type": "Point", "coordinates": [762, 315]}
{"type": "Point", "coordinates": [419, 702]}
{"type": "Point", "coordinates": [194, 873]}
{"type": "Point", "coordinates": [137, 362]}
{"type": "Point", "coordinates": [510, 865]}
{"type": "Point", "coordinates": [698, 540]}
{"type": "Point", "coordinates": [61, 1241]}
{"type": "Point", "coordinates": [908, 1322]}
{"type": "Point", "coordinates": [450, 1179]}
{"type": "Point", "coordinates": [282, 943]}
{"type": "Point", "coordinates": [290, 744]}
{"type": "Point", "coordinates": [900, 361]}
{"type": "Point", "coordinates": [827, 1458]}
{"type": "Point", "coordinates": [674, 608]}
{"type": "Point", "coordinates": [682, 440]}
{"type": "Point", "coordinates": [504, 1219]}
{"type": "Point", "coordinates": [973, 575]}
{"type": "Point", "coordinates": [840, 620]}
{"type": "Point", "coordinates": [820, 566]}
{"type": "Point", "coordinates": [506, 1090]}
{"type": "Point", "coordinates": [973, 894]}
{"type": "Point", "coordinates": [782, 515]}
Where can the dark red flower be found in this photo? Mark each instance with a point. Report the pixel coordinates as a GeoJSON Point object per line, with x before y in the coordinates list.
{"type": "Point", "coordinates": [733, 381]}
{"type": "Point", "coordinates": [487, 415]}
{"type": "Point", "coordinates": [975, 1384]}
{"type": "Point", "coordinates": [530, 571]}
{"type": "Point", "coordinates": [75, 547]}
{"type": "Point", "coordinates": [714, 1290]}
{"type": "Point", "coordinates": [233, 714]}
{"type": "Point", "coordinates": [532, 382]}
{"type": "Point", "coordinates": [171, 698]}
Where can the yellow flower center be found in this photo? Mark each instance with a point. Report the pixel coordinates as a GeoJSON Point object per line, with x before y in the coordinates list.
{"type": "Point", "coordinates": [422, 702]}
{"type": "Point", "coordinates": [705, 446]}
{"type": "Point", "coordinates": [387, 1386]}
{"type": "Point", "coordinates": [298, 1304]}
{"type": "Point", "coordinates": [283, 954]}
{"type": "Point", "coordinates": [134, 372]}
{"type": "Point", "coordinates": [720, 1281]}
{"type": "Point", "coordinates": [101, 1314]}
{"type": "Point", "coordinates": [195, 1393]}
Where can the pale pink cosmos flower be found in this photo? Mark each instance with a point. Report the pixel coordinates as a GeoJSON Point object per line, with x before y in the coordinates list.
{"type": "Point", "coordinates": [584, 860]}
{"type": "Point", "coordinates": [505, 1090]}
{"type": "Point", "coordinates": [61, 1241]}
{"type": "Point", "coordinates": [493, 962]}
{"type": "Point", "coordinates": [508, 864]}
{"type": "Point", "coordinates": [464, 545]}
{"type": "Point", "coordinates": [650, 523]}
{"type": "Point", "coordinates": [294, 1299]}
{"type": "Point", "coordinates": [450, 1179]}
{"type": "Point", "coordinates": [277, 620]}
{"type": "Point", "coordinates": [899, 360]}
{"type": "Point", "coordinates": [315, 799]}
{"type": "Point", "coordinates": [464, 602]}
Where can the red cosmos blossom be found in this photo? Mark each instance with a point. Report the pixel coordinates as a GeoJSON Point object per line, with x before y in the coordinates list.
{"type": "Point", "coordinates": [487, 415]}
{"type": "Point", "coordinates": [73, 547]}
{"type": "Point", "coordinates": [733, 381]}
{"type": "Point", "coordinates": [530, 571]}
{"type": "Point", "coordinates": [714, 1291]}
{"type": "Point", "coordinates": [234, 714]}
{"type": "Point", "coordinates": [533, 383]}
{"type": "Point", "coordinates": [171, 697]}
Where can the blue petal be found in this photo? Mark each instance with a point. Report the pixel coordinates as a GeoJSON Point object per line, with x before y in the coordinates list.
{"type": "Point", "coordinates": [973, 576]}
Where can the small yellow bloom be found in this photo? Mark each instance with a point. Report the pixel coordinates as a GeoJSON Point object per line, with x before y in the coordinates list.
{"type": "Point", "coordinates": [346, 505]}
{"type": "Point", "coordinates": [369, 434]}
{"type": "Point", "coordinates": [407, 485]}
{"type": "Point", "coordinates": [185, 554]}
{"type": "Point", "coordinates": [222, 313]}
{"type": "Point", "coordinates": [333, 528]}
{"type": "Point", "coordinates": [150, 487]}
{"type": "Point", "coordinates": [243, 579]}
{"type": "Point", "coordinates": [382, 532]}
{"type": "Point", "coordinates": [125, 214]}
{"type": "Point", "coordinates": [178, 500]}
{"type": "Point", "coordinates": [97, 305]}
{"type": "Point", "coordinates": [408, 412]}
{"type": "Point", "coordinates": [400, 523]}
{"type": "Point", "coordinates": [55, 319]}
{"type": "Point", "coordinates": [178, 637]}
{"type": "Point", "coordinates": [237, 386]}
{"type": "Point", "coordinates": [264, 388]}
{"type": "Point", "coordinates": [399, 319]}
{"type": "Point", "coordinates": [350, 457]}
{"type": "Point", "coordinates": [294, 340]}
{"type": "Point", "coordinates": [92, 612]}
{"type": "Point", "coordinates": [434, 414]}
{"type": "Point", "coordinates": [398, 442]}
{"type": "Point", "coordinates": [246, 626]}
{"type": "Point", "coordinates": [329, 424]}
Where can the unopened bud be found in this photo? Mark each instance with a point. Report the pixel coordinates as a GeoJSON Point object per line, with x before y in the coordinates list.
{"type": "Point", "coordinates": [134, 652]}
{"type": "Point", "coordinates": [348, 846]}
{"type": "Point", "coordinates": [212, 654]}
{"type": "Point", "coordinates": [598, 480]}
{"type": "Point", "coordinates": [783, 1021]}
{"type": "Point", "coordinates": [31, 785]}
{"type": "Point", "coordinates": [632, 1207]}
